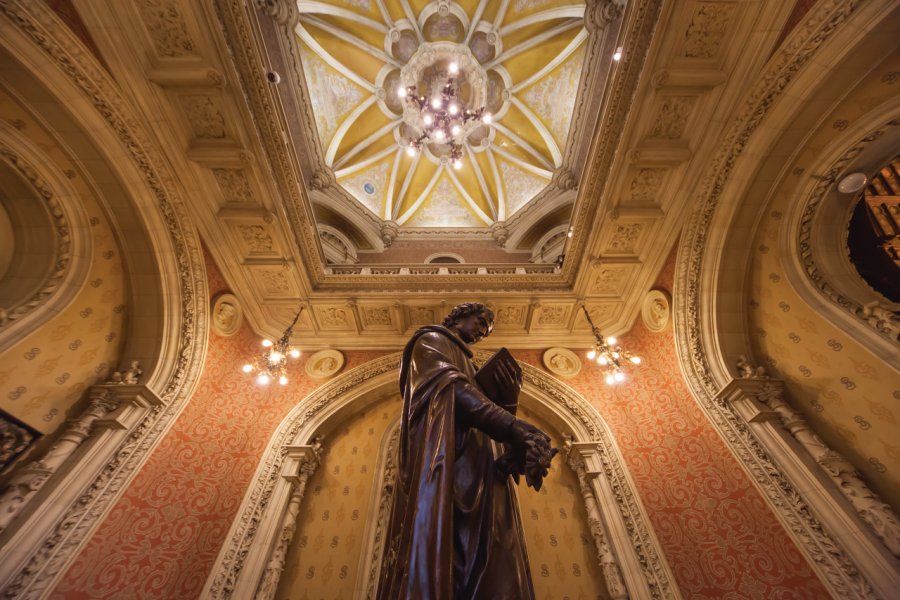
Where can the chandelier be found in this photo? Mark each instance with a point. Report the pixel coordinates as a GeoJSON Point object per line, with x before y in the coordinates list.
{"type": "Point", "coordinates": [272, 362]}
{"type": "Point", "coordinates": [443, 116]}
{"type": "Point", "coordinates": [608, 354]}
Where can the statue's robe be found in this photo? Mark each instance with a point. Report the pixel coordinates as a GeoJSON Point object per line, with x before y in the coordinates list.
{"type": "Point", "coordinates": [455, 530]}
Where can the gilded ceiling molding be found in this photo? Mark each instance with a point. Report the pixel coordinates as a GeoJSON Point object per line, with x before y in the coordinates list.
{"type": "Point", "coordinates": [33, 33]}
{"type": "Point", "coordinates": [239, 567]}
{"type": "Point", "coordinates": [68, 222]}
{"type": "Point", "coordinates": [702, 355]}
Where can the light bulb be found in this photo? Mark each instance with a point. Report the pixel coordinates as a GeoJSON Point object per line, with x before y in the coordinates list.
{"type": "Point", "coordinates": [401, 92]}
{"type": "Point", "coordinates": [428, 119]}
{"type": "Point", "coordinates": [571, 232]}
{"type": "Point", "coordinates": [263, 379]}
{"type": "Point", "coordinates": [618, 53]}
{"type": "Point", "coordinates": [439, 134]}
{"type": "Point", "coordinates": [453, 108]}
{"type": "Point", "coordinates": [635, 359]}
{"type": "Point", "coordinates": [453, 68]}
{"type": "Point", "coordinates": [267, 343]}
{"type": "Point", "coordinates": [247, 368]}
{"type": "Point", "coordinates": [282, 380]}
{"type": "Point", "coordinates": [610, 380]}
{"type": "Point", "coordinates": [610, 340]}
{"type": "Point", "coordinates": [619, 376]}
{"type": "Point", "coordinates": [602, 360]}
{"type": "Point", "coordinates": [294, 353]}
{"type": "Point", "coordinates": [592, 354]}
{"type": "Point", "coordinates": [275, 356]}
{"type": "Point", "coordinates": [411, 151]}
{"type": "Point", "coordinates": [457, 164]}
{"type": "Point", "coordinates": [615, 355]}
{"type": "Point", "coordinates": [435, 103]}
{"type": "Point", "coordinates": [455, 131]}
{"type": "Point", "coordinates": [486, 119]}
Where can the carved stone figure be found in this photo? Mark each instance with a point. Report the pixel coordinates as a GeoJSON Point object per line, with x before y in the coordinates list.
{"type": "Point", "coordinates": [133, 375]}
{"type": "Point", "coordinates": [454, 530]}
{"type": "Point", "coordinates": [747, 370]}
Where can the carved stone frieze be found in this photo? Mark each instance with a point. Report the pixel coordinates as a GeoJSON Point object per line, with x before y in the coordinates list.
{"type": "Point", "coordinates": [672, 117]}
{"type": "Point", "coordinates": [257, 239]}
{"type": "Point", "coordinates": [645, 185]}
{"type": "Point", "coordinates": [205, 116]}
{"type": "Point", "coordinates": [625, 238]}
{"type": "Point", "coordinates": [235, 186]}
{"type": "Point", "coordinates": [706, 33]}
{"type": "Point", "coordinates": [167, 28]}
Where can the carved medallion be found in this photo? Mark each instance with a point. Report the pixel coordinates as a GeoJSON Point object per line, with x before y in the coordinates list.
{"type": "Point", "coordinates": [656, 310]}
{"type": "Point", "coordinates": [324, 363]}
{"type": "Point", "coordinates": [226, 315]}
{"type": "Point", "coordinates": [562, 362]}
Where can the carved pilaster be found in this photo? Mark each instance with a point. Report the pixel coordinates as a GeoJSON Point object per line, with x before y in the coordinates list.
{"type": "Point", "coordinates": [611, 573]}
{"type": "Point", "coordinates": [301, 464]}
{"type": "Point", "coordinates": [874, 512]}
{"type": "Point", "coordinates": [833, 489]}
{"type": "Point", "coordinates": [30, 478]}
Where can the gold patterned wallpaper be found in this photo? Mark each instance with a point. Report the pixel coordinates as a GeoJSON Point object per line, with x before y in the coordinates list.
{"type": "Point", "coordinates": [850, 395]}
{"type": "Point", "coordinates": [45, 373]}
{"type": "Point", "coordinates": [324, 557]}
{"type": "Point", "coordinates": [561, 551]}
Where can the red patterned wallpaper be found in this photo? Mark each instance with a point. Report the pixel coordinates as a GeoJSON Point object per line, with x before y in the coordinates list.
{"type": "Point", "coordinates": [716, 531]}
{"type": "Point", "coordinates": [163, 534]}
{"type": "Point", "coordinates": [718, 534]}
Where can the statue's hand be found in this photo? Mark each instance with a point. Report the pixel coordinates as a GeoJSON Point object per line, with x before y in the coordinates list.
{"type": "Point", "coordinates": [534, 446]}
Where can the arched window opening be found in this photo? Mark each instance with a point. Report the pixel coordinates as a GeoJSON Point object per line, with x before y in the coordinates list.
{"type": "Point", "coordinates": [873, 238]}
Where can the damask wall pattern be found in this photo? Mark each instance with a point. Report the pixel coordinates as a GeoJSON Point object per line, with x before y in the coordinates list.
{"type": "Point", "coordinates": [323, 560]}
{"type": "Point", "coordinates": [716, 530]}
{"type": "Point", "coordinates": [47, 372]}
{"type": "Point", "coordinates": [161, 537]}
{"type": "Point", "coordinates": [848, 394]}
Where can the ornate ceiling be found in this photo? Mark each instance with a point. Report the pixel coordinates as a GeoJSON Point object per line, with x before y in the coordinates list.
{"type": "Point", "coordinates": [304, 195]}
{"type": "Point", "coordinates": [521, 61]}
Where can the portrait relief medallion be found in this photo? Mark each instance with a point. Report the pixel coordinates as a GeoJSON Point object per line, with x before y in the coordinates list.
{"type": "Point", "coordinates": [656, 310]}
{"type": "Point", "coordinates": [324, 363]}
{"type": "Point", "coordinates": [562, 362]}
{"type": "Point", "coordinates": [226, 315]}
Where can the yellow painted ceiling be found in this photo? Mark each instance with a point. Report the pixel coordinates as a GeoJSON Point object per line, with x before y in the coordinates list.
{"type": "Point", "coordinates": [531, 53]}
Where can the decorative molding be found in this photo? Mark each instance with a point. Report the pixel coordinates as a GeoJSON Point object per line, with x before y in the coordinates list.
{"type": "Point", "coordinates": [32, 30]}
{"type": "Point", "coordinates": [837, 570]}
{"type": "Point", "coordinates": [881, 320]}
{"type": "Point", "coordinates": [383, 500]}
{"type": "Point", "coordinates": [612, 575]}
{"type": "Point", "coordinates": [72, 240]}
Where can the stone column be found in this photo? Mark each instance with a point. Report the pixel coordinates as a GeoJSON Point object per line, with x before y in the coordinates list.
{"type": "Point", "coordinates": [611, 574]}
{"type": "Point", "coordinates": [301, 464]}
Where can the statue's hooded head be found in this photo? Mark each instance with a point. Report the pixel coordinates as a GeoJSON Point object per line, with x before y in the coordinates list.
{"type": "Point", "coordinates": [471, 320]}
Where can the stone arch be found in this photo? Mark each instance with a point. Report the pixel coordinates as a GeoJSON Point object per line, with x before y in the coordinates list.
{"type": "Point", "coordinates": [83, 106]}
{"type": "Point", "coordinates": [258, 528]}
{"type": "Point", "coordinates": [709, 311]}
{"type": "Point", "coordinates": [44, 203]}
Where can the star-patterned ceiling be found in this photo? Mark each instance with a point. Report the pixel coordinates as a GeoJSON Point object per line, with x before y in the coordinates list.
{"type": "Point", "coordinates": [521, 60]}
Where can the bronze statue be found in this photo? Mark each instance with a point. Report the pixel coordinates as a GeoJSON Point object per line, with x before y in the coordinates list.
{"type": "Point", "coordinates": [455, 530]}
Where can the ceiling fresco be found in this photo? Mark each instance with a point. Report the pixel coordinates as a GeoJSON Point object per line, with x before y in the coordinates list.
{"type": "Point", "coordinates": [519, 60]}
